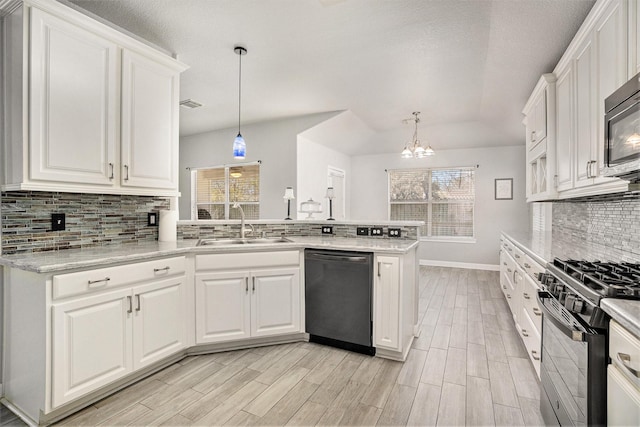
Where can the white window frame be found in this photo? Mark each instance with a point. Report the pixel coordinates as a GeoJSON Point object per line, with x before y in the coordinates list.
{"type": "Point", "coordinates": [227, 202]}
{"type": "Point", "coordinates": [429, 202]}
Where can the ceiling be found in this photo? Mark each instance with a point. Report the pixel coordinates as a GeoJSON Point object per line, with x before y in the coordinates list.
{"type": "Point", "coordinates": [467, 65]}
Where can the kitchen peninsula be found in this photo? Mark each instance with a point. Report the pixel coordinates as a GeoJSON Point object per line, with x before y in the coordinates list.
{"type": "Point", "coordinates": [81, 324]}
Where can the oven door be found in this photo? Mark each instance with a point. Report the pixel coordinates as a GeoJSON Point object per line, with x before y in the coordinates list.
{"type": "Point", "coordinates": [573, 368]}
{"type": "Point", "coordinates": [622, 138]}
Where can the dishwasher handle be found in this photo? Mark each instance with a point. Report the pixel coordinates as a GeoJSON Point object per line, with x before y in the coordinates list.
{"type": "Point", "coordinates": [343, 258]}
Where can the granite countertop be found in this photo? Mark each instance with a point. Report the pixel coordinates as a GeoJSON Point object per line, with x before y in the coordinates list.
{"type": "Point", "coordinates": [544, 246]}
{"type": "Point", "coordinates": [58, 261]}
{"type": "Point", "coordinates": [624, 311]}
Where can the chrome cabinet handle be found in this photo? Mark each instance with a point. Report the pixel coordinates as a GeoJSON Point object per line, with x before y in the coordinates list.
{"type": "Point", "coordinates": [246, 285]}
{"type": "Point", "coordinates": [93, 282]}
{"type": "Point", "coordinates": [504, 262]}
{"type": "Point", "coordinates": [517, 256]}
{"type": "Point", "coordinates": [509, 270]}
{"type": "Point", "coordinates": [508, 296]}
{"type": "Point", "coordinates": [137, 302]}
{"type": "Point", "coordinates": [126, 172]}
{"type": "Point", "coordinates": [533, 136]}
{"type": "Point", "coordinates": [537, 311]}
{"type": "Point", "coordinates": [378, 268]}
{"type": "Point", "coordinates": [111, 166]}
{"type": "Point", "coordinates": [504, 287]}
{"type": "Point", "coordinates": [253, 286]}
{"type": "Point", "coordinates": [524, 333]}
{"type": "Point", "coordinates": [526, 265]}
{"type": "Point", "coordinates": [625, 359]}
{"type": "Point", "coordinates": [587, 169]}
{"type": "Point", "coordinates": [534, 355]}
{"type": "Point", "coordinates": [130, 310]}
{"type": "Point", "coordinates": [526, 295]}
{"type": "Point", "coordinates": [157, 270]}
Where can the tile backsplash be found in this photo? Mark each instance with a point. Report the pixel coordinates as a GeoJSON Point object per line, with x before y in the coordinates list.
{"type": "Point", "coordinates": [612, 223]}
{"type": "Point", "coordinates": [91, 220]}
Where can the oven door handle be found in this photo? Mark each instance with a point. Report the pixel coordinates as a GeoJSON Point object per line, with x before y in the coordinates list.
{"type": "Point", "coordinates": [567, 330]}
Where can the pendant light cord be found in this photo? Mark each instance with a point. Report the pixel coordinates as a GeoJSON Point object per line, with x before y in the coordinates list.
{"type": "Point", "coordinates": [239, 90]}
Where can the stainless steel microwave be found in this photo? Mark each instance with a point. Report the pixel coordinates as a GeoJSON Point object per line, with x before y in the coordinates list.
{"type": "Point", "coordinates": [622, 132]}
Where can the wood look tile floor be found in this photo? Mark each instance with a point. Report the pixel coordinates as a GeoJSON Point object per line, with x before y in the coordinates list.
{"type": "Point", "coordinates": [468, 367]}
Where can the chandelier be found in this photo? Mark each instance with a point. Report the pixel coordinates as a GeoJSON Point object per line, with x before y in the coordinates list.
{"type": "Point", "coordinates": [414, 149]}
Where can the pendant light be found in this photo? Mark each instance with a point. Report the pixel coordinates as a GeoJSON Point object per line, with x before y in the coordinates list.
{"type": "Point", "coordinates": [414, 149]}
{"type": "Point", "coordinates": [239, 146]}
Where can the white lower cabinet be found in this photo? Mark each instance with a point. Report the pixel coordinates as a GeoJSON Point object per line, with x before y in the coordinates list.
{"type": "Point", "coordinates": [100, 338]}
{"type": "Point", "coordinates": [395, 298]}
{"type": "Point", "coordinates": [518, 275]}
{"type": "Point", "coordinates": [260, 297]}
{"type": "Point", "coordinates": [623, 379]}
{"type": "Point", "coordinates": [387, 303]}
{"type": "Point", "coordinates": [91, 344]}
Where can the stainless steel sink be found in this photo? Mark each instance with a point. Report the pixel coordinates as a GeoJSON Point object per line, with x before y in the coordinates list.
{"type": "Point", "coordinates": [254, 241]}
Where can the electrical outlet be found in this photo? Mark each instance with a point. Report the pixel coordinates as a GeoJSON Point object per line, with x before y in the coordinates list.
{"type": "Point", "coordinates": [395, 232]}
{"type": "Point", "coordinates": [327, 229]}
{"type": "Point", "coordinates": [57, 222]}
{"type": "Point", "coordinates": [362, 231]}
{"type": "Point", "coordinates": [152, 219]}
{"type": "Point", "coordinates": [377, 231]}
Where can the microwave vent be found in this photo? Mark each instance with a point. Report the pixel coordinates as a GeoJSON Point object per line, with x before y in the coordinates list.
{"type": "Point", "coordinates": [190, 103]}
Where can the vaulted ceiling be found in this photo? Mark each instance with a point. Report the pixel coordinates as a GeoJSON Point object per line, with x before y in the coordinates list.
{"type": "Point", "coordinates": [467, 65]}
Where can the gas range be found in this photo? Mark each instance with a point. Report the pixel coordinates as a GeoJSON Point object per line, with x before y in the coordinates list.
{"type": "Point", "coordinates": [580, 285]}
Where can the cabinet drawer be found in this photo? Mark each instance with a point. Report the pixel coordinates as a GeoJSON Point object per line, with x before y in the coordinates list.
{"type": "Point", "coordinates": [532, 267]}
{"type": "Point", "coordinates": [250, 260]}
{"type": "Point", "coordinates": [66, 285]}
{"type": "Point", "coordinates": [530, 338]}
{"type": "Point", "coordinates": [624, 350]}
{"type": "Point", "coordinates": [530, 303]}
{"type": "Point", "coordinates": [519, 255]}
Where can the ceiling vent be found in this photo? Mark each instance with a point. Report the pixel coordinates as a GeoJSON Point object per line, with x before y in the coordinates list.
{"type": "Point", "coordinates": [190, 103]}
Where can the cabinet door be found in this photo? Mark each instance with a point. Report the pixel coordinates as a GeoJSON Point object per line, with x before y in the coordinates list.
{"type": "Point", "coordinates": [91, 344]}
{"type": "Point", "coordinates": [149, 123]}
{"type": "Point", "coordinates": [223, 307]}
{"type": "Point", "coordinates": [540, 114]}
{"type": "Point", "coordinates": [610, 39]}
{"type": "Point", "coordinates": [564, 126]}
{"type": "Point", "coordinates": [275, 302]}
{"type": "Point", "coordinates": [387, 303]}
{"type": "Point", "coordinates": [159, 326]}
{"type": "Point", "coordinates": [73, 98]}
{"type": "Point", "coordinates": [585, 114]}
{"type": "Point", "coordinates": [623, 399]}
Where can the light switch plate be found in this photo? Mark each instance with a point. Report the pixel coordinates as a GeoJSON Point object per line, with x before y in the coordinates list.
{"type": "Point", "coordinates": [327, 229]}
{"type": "Point", "coordinates": [152, 219]}
{"type": "Point", "coordinates": [58, 222]}
{"type": "Point", "coordinates": [377, 231]}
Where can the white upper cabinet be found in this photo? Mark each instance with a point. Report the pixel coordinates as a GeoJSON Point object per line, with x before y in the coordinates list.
{"type": "Point", "coordinates": [149, 123]}
{"type": "Point", "coordinates": [73, 97]}
{"type": "Point", "coordinates": [99, 109]}
{"type": "Point", "coordinates": [594, 65]}
{"type": "Point", "coordinates": [540, 126]}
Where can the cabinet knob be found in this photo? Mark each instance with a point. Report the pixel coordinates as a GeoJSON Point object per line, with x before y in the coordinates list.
{"type": "Point", "coordinates": [534, 354]}
{"type": "Point", "coordinates": [526, 265]}
{"type": "Point", "coordinates": [526, 295]}
{"type": "Point", "coordinates": [537, 311]}
{"type": "Point", "coordinates": [525, 333]}
{"type": "Point", "coordinates": [625, 359]}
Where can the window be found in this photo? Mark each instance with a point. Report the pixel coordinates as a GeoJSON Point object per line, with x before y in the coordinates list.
{"type": "Point", "coordinates": [442, 198]}
{"type": "Point", "coordinates": [215, 190]}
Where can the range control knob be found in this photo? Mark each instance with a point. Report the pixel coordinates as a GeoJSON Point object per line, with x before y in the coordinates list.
{"type": "Point", "coordinates": [569, 302]}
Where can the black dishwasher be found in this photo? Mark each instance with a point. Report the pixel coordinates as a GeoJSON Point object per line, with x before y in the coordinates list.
{"type": "Point", "coordinates": [338, 299]}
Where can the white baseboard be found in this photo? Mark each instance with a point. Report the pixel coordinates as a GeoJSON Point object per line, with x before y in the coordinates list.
{"type": "Point", "coordinates": [467, 265]}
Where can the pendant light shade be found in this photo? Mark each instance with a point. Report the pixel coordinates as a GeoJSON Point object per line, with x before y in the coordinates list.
{"type": "Point", "coordinates": [414, 149]}
{"type": "Point", "coordinates": [239, 146]}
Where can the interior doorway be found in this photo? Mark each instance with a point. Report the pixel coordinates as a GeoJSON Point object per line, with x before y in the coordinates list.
{"type": "Point", "coordinates": [336, 179]}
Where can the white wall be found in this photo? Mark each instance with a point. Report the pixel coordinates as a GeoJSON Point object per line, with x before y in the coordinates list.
{"type": "Point", "coordinates": [369, 201]}
{"type": "Point", "coordinates": [313, 162]}
{"type": "Point", "coordinates": [273, 142]}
